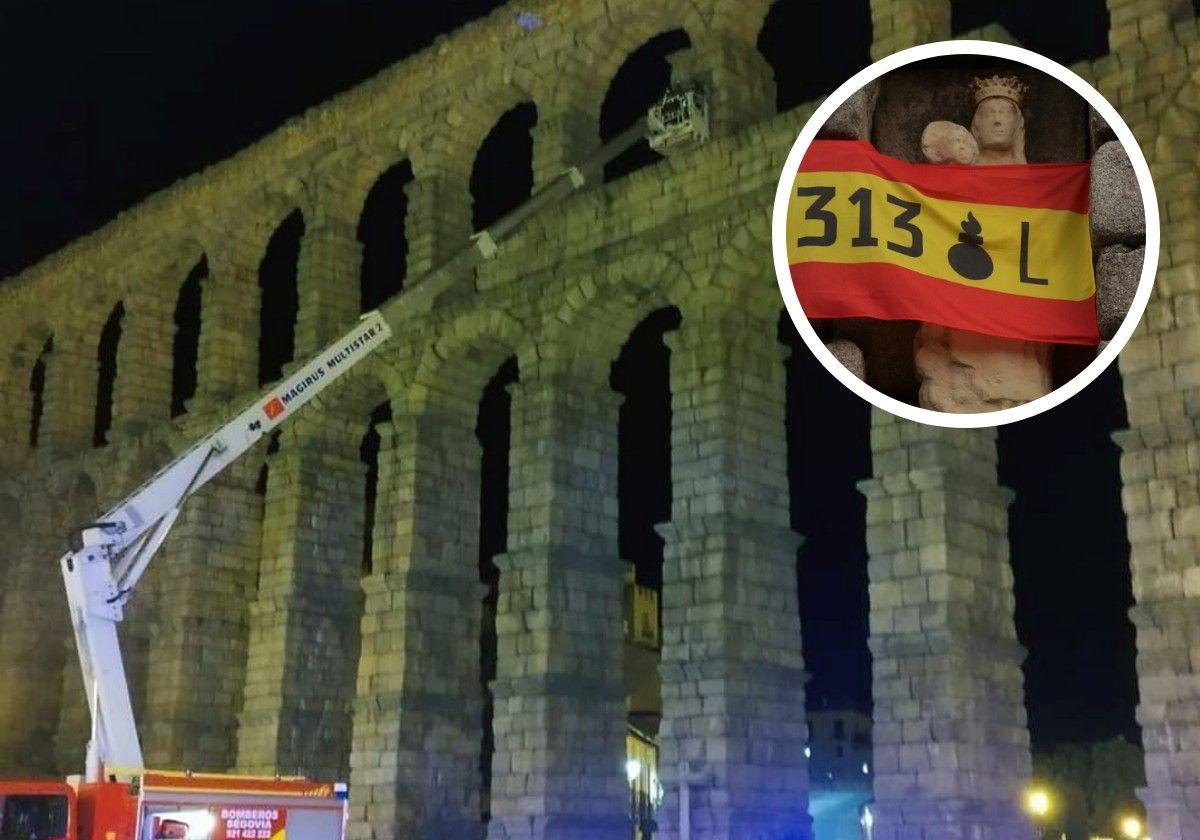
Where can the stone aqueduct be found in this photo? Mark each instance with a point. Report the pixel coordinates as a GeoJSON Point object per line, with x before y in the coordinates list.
{"type": "Point", "coordinates": [259, 645]}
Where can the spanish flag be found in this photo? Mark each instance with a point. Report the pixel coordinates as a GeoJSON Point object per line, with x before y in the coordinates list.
{"type": "Point", "coordinates": [1003, 250]}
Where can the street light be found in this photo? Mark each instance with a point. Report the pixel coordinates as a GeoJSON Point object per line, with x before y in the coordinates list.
{"type": "Point", "coordinates": [1037, 802]}
{"type": "Point", "coordinates": [1131, 827]}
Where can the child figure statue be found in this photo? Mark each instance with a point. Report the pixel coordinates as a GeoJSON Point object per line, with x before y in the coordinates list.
{"type": "Point", "coordinates": [943, 141]}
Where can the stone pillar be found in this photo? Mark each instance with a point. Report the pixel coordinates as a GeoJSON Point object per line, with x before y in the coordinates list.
{"type": "Point", "coordinates": [13, 519]}
{"type": "Point", "coordinates": [74, 720]}
{"type": "Point", "coordinates": [951, 748]}
{"type": "Point", "coordinates": [1160, 465]}
{"type": "Point", "coordinates": [898, 24]}
{"type": "Point", "coordinates": [16, 409]}
{"type": "Point", "coordinates": [414, 768]}
{"type": "Point", "coordinates": [227, 362]}
{"type": "Point", "coordinates": [205, 574]}
{"type": "Point", "coordinates": [142, 390]}
{"type": "Point", "coordinates": [327, 280]}
{"type": "Point", "coordinates": [439, 212]}
{"type": "Point", "coordinates": [733, 724]}
{"type": "Point", "coordinates": [561, 140]}
{"type": "Point", "coordinates": [69, 396]}
{"type": "Point", "coordinates": [558, 767]}
{"type": "Point", "coordinates": [33, 631]}
{"type": "Point", "coordinates": [196, 659]}
{"type": "Point", "coordinates": [1137, 22]}
{"type": "Point", "coordinates": [14, 724]}
{"type": "Point", "coordinates": [304, 623]}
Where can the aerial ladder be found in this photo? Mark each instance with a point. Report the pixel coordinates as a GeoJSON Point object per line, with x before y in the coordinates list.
{"type": "Point", "coordinates": [117, 798]}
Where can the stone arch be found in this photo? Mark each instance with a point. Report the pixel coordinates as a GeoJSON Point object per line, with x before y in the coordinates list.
{"type": "Point", "coordinates": [363, 388]}
{"type": "Point", "coordinates": [77, 495]}
{"type": "Point", "coordinates": [140, 369]}
{"type": "Point", "coordinates": [600, 310]}
{"type": "Point", "coordinates": [452, 371]}
{"type": "Point", "coordinates": [279, 290]}
{"type": "Point", "coordinates": [31, 340]}
{"type": "Point", "coordinates": [187, 317]}
{"type": "Point", "coordinates": [241, 240]}
{"type": "Point", "coordinates": [382, 233]}
{"type": "Point", "coordinates": [641, 78]}
{"type": "Point", "coordinates": [348, 197]}
{"type": "Point", "coordinates": [346, 179]}
{"type": "Point", "coordinates": [166, 307]}
{"type": "Point", "coordinates": [150, 455]}
{"type": "Point", "coordinates": [743, 272]}
{"type": "Point", "coordinates": [24, 381]}
{"type": "Point", "coordinates": [251, 229]}
{"type": "Point", "coordinates": [107, 351]}
{"type": "Point", "coordinates": [439, 196]}
{"type": "Point", "coordinates": [502, 172]}
{"type": "Point", "coordinates": [233, 242]}
{"type": "Point", "coordinates": [604, 42]}
{"type": "Point", "coordinates": [369, 452]}
{"type": "Point", "coordinates": [457, 132]}
{"type": "Point", "coordinates": [162, 267]}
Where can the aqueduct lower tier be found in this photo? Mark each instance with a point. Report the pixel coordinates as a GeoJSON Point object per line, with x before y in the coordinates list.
{"type": "Point", "coordinates": [260, 646]}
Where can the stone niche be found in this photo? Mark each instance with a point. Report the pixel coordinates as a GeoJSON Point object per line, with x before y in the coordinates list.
{"type": "Point", "coordinates": [913, 96]}
{"type": "Point", "coordinates": [892, 117]}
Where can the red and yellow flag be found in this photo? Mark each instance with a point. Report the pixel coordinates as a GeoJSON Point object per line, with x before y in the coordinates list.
{"type": "Point", "coordinates": [1003, 250]}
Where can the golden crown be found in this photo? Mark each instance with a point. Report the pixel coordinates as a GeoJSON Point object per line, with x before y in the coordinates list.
{"type": "Point", "coordinates": [1009, 87]}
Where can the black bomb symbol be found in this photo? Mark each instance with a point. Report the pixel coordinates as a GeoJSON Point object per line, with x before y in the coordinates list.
{"type": "Point", "coordinates": [968, 257]}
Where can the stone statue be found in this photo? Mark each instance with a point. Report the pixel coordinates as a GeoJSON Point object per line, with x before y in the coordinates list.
{"type": "Point", "coordinates": [963, 371]}
{"type": "Point", "coordinates": [998, 125]}
{"type": "Point", "coordinates": [943, 141]}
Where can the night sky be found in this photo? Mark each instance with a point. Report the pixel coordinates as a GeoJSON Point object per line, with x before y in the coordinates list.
{"type": "Point", "coordinates": [108, 103]}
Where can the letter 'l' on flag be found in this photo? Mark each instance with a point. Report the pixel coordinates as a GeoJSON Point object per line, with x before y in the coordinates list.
{"type": "Point", "coordinates": [1003, 250]}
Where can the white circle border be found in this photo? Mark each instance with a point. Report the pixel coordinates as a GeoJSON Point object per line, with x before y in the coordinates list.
{"type": "Point", "coordinates": [1005, 415]}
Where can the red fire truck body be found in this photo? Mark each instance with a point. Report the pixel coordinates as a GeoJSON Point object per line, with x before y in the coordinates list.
{"type": "Point", "coordinates": [174, 806]}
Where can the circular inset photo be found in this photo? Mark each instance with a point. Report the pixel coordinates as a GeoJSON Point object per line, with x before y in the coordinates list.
{"type": "Point", "coordinates": [965, 233]}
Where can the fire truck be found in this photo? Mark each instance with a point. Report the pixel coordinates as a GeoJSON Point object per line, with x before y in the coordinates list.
{"type": "Point", "coordinates": [116, 798]}
{"type": "Point", "coordinates": [173, 806]}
